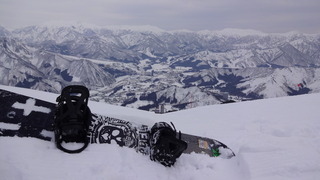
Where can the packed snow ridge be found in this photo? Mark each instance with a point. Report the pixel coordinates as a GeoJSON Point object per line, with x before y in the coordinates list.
{"type": "Point", "coordinates": [273, 139]}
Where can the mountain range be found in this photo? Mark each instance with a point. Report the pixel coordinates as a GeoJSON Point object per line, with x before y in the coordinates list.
{"type": "Point", "coordinates": [146, 67]}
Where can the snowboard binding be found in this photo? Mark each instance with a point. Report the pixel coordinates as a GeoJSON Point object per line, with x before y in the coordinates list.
{"type": "Point", "coordinates": [72, 118]}
{"type": "Point", "coordinates": [165, 147]}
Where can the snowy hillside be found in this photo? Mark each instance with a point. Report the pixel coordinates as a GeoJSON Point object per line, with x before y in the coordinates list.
{"type": "Point", "coordinates": [274, 139]}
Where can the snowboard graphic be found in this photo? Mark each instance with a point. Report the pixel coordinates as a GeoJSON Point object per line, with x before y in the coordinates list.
{"type": "Point", "coordinates": [24, 116]}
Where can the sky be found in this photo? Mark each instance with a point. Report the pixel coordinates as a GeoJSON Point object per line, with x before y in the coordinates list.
{"type": "Point", "coordinates": [270, 16]}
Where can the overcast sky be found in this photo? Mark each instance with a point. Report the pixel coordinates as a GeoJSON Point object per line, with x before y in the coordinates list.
{"type": "Point", "coordinates": [269, 16]}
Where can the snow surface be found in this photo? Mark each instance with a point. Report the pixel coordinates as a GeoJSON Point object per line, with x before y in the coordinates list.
{"type": "Point", "coordinates": [274, 139]}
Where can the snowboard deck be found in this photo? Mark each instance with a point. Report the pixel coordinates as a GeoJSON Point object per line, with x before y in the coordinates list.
{"type": "Point", "coordinates": [25, 116]}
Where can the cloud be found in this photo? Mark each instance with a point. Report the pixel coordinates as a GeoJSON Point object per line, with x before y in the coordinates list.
{"type": "Point", "coordinates": [268, 16]}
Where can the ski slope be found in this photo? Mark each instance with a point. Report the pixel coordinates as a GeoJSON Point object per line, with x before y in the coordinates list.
{"type": "Point", "coordinates": [274, 139]}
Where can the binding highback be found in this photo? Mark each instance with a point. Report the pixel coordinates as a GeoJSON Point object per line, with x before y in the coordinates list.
{"type": "Point", "coordinates": [72, 118]}
{"type": "Point", "coordinates": [165, 146]}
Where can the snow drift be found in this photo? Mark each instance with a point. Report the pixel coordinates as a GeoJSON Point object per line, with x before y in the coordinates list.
{"type": "Point", "coordinates": [273, 139]}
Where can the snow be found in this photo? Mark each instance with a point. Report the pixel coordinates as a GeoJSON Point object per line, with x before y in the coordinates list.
{"type": "Point", "coordinates": [159, 67]}
{"type": "Point", "coordinates": [275, 138]}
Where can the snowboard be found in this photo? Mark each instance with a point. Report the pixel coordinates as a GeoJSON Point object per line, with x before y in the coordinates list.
{"type": "Point", "coordinates": [24, 116]}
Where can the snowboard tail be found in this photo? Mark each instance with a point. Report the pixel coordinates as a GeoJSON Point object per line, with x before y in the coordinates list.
{"type": "Point", "coordinates": [23, 116]}
{"type": "Point", "coordinates": [208, 146]}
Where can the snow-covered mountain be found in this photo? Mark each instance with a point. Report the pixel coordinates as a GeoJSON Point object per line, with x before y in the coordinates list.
{"type": "Point", "coordinates": [221, 48]}
{"type": "Point", "coordinates": [274, 139]}
{"type": "Point", "coordinates": [24, 66]}
{"type": "Point", "coordinates": [144, 67]}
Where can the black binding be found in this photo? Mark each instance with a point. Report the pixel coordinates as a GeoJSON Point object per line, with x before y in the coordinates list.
{"type": "Point", "coordinates": [165, 147]}
{"type": "Point", "coordinates": [72, 118]}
